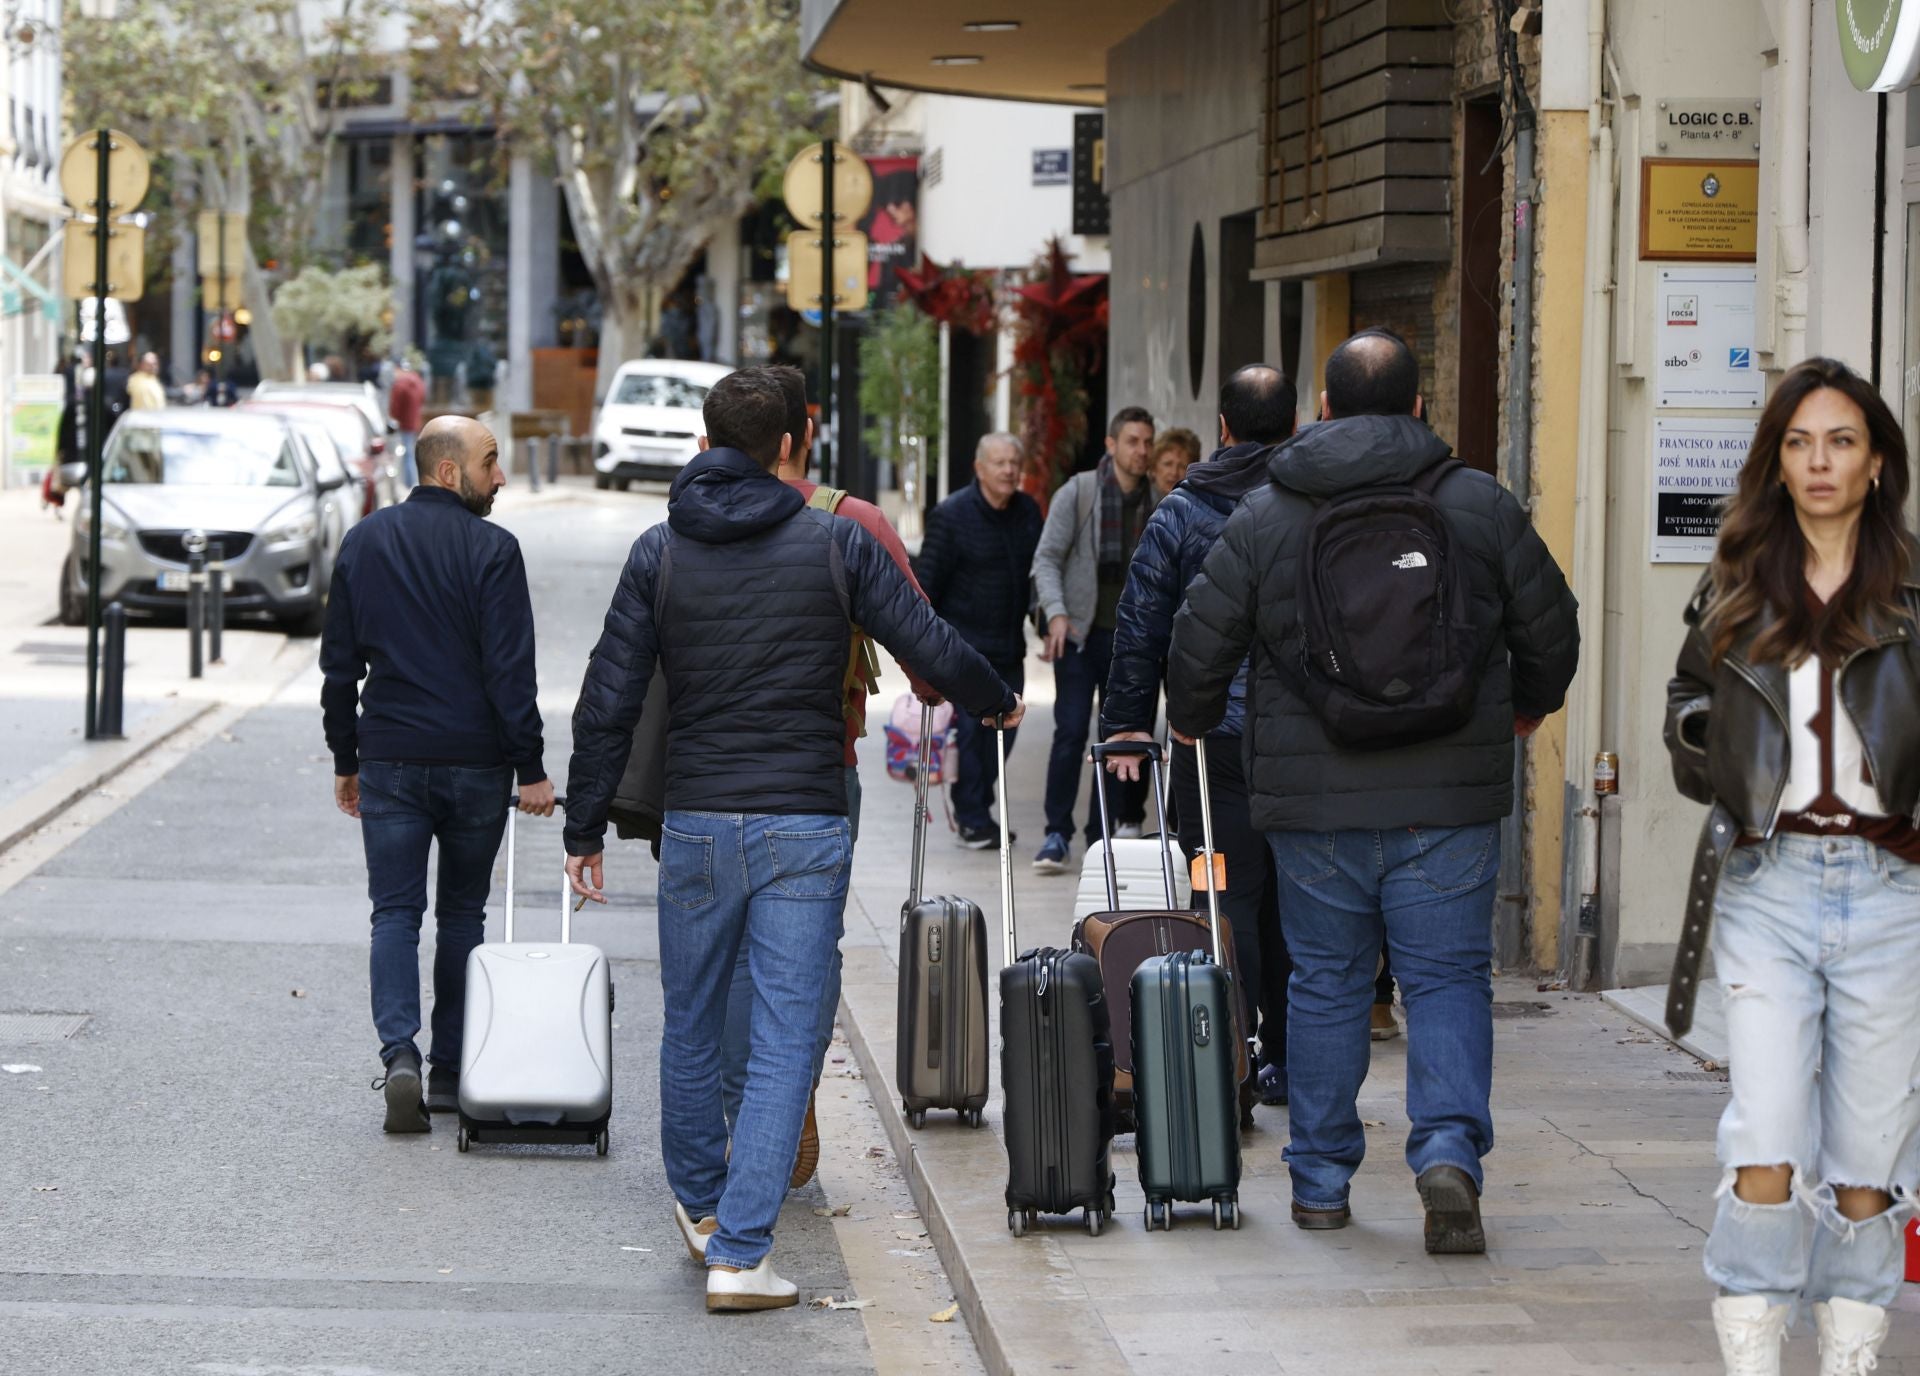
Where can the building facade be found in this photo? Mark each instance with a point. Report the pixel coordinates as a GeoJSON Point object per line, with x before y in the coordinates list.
{"type": "Point", "coordinates": [31, 214]}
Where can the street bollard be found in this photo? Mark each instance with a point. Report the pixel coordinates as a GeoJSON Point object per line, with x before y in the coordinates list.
{"type": "Point", "coordinates": [553, 459]}
{"type": "Point", "coordinates": [196, 609]}
{"type": "Point", "coordinates": [216, 600]}
{"type": "Point", "coordinates": [113, 673]}
{"type": "Point", "coordinates": [533, 463]}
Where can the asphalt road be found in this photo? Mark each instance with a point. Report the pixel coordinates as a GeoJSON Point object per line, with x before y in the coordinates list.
{"type": "Point", "coordinates": [196, 1180]}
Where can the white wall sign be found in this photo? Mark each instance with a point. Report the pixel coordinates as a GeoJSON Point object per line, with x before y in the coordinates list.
{"type": "Point", "coordinates": [1696, 466]}
{"type": "Point", "coordinates": [1703, 337]}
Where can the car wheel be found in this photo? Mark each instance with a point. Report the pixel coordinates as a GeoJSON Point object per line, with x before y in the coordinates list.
{"type": "Point", "coordinates": [73, 607]}
{"type": "Point", "coordinates": [621, 484]}
{"type": "Point", "coordinates": [307, 623]}
{"type": "Point", "coordinates": [602, 482]}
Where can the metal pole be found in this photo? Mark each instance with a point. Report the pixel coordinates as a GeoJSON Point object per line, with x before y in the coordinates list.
{"type": "Point", "coordinates": [97, 423]}
{"type": "Point", "coordinates": [553, 458]}
{"type": "Point", "coordinates": [829, 231]}
{"type": "Point", "coordinates": [220, 330]}
{"type": "Point", "coordinates": [216, 600]}
{"type": "Point", "coordinates": [114, 674]}
{"type": "Point", "coordinates": [196, 609]}
{"type": "Point", "coordinates": [533, 463]}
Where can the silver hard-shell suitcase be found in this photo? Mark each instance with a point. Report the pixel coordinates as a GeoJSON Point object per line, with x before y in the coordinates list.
{"type": "Point", "coordinates": [536, 1064]}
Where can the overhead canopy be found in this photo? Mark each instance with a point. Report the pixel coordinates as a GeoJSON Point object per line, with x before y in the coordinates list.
{"type": "Point", "coordinates": [1055, 50]}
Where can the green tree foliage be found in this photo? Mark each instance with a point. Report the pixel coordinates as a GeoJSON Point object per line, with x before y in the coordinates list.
{"type": "Point", "coordinates": [900, 380]}
{"type": "Point", "coordinates": [659, 119]}
{"type": "Point", "coordinates": [342, 312]}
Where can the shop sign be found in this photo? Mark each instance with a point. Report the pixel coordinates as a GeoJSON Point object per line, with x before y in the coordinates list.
{"type": "Point", "coordinates": [1699, 211]}
{"type": "Point", "coordinates": [33, 423]}
{"type": "Point", "coordinates": [1880, 42]}
{"type": "Point", "coordinates": [1703, 339]}
{"type": "Point", "coordinates": [1718, 127]}
{"type": "Point", "coordinates": [1053, 167]}
{"type": "Point", "coordinates": [1696, 467]}
{"type": "Point", "coordinates": [1091, 213]}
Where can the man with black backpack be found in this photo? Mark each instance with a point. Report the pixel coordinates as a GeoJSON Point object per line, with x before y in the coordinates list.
{"type": "Point", "coordinates": [1409, 624]}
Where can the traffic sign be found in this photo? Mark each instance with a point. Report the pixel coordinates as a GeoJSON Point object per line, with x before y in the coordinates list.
{"type": "Point", "coordinates": [126, 260]}
{"type": "Point", "coordinates": [223, 241]}
{"type": "Point", "coordinates": [805, 191]}
{"type": "Point", "coordinates": [806, 253]}
{"type": "Point", "coordinates": [128, 174]}
{"type": "Point", "coordinates": [222, 293]}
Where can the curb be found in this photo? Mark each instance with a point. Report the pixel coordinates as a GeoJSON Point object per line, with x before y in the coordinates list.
{"type": "Point", "coordinates": [1020, 1306]}
{"type": "Point", "coordinates": [43, 805]}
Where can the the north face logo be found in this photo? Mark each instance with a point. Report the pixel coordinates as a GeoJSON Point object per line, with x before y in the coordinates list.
{"type": "Point", "coordinates": [1415, 560]}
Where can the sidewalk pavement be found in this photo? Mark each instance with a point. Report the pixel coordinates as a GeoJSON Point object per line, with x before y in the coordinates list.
{"type": "Point", "coordinates": [1599, 1192]}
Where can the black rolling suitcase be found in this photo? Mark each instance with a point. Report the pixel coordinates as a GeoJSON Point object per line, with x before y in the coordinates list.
{"type": "Point", "coordinates": [1186, 1068]}
{"type": "Point", "coordinates": [942, 1025]}
{"type": "Point", "coordinates": [1056, 1071]}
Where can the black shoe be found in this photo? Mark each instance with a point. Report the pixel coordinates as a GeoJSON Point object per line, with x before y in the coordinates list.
{"type": "Point", "coordinates": [1322, 1220]}
{"type": "Point", "coordinates": [443, 1089]}
{"type": "Point", "coordinates": [406, 1110]}
{"type": "Point", "coordinates": [980, 838]}
{"type": "Point", "coordinates": [1273, 1085]}
{"type": "Point", "coordinates": [1453, 1212]}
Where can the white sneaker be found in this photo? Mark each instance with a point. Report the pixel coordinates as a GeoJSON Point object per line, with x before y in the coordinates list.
{"type": "Point", "coordinates": [1750, 1332]}
{"type": "Point", "coordinates": [731, 1291]}
{"type": "Point", "coordinates": [695, 1234]}
{"type": "Point", "coordinates": [1850, 1336]}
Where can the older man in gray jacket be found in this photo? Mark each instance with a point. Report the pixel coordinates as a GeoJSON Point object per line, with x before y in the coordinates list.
{"type": "Point", "coordinates": [1079, 571]}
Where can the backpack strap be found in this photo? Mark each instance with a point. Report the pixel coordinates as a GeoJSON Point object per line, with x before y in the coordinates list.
{"type": "Point", "coordinates": [827, 499]}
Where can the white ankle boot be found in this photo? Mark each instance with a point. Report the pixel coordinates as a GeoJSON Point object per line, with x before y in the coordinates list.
{"type": "Point", "coordinates": [1850, 1336]}
{"type": "Point", "coordinates": [1750, 1332]}
{"type": "Point", "coordinates": [729, 1290]}
{"type": "Point", "coordinates": [694, 1234]}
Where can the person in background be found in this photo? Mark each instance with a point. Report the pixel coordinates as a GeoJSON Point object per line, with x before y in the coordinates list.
{"type": "Point", "coordinates": [1400, 842]}
{"type": "Point", "coordinates": [1079, 570]}
{"type": "Point", "coordinates": [1791, 712]}
{"type": "Point", "coordinates": [145, 391]}
{"type": "Point", "coordinates": [793, 471]}
{"type": "Point", "coordinates": [974, 566]}
{"type": "Point", "coordinates": [430, 606]}
{"type": "Point", "coordinates": [1174, 453]}
{"type": "Point", "coordinates": [404, 403]}
{"type": "Point", "coordinates": [1257, 411]}
{"type": "Point", "coordinates": [319, 372]}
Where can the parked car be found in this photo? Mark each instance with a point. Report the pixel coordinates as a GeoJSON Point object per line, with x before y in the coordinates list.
{"type": "Point", "coordinates": [369, 456]}
{"type": "Point", "coordinates": [650, 425]}
{"type": "Point", "coordinates": [362, 396]}
{"type": "Point", "coordinates": [178, 477]}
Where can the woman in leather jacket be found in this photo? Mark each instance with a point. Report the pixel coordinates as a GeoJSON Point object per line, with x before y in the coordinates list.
{"type": "Point", "coordinates": [1795, 712]}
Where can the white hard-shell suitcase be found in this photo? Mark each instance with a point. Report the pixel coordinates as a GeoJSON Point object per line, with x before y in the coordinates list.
{"type": "Point", "coordinates": [536, 1064]}
{"type": "Point", "coordinates": [1137, 876]}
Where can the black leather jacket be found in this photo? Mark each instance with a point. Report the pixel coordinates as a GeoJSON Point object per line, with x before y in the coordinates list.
{"type": "Point", "coordinates": [1727, 733]}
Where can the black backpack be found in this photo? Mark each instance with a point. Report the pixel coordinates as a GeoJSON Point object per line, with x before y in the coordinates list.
{"type": "Point", "coordinates": [1388, 654]}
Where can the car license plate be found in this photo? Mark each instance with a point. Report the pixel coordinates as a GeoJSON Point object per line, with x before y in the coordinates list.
{"type": "Point", "coordinates": [174, 580]}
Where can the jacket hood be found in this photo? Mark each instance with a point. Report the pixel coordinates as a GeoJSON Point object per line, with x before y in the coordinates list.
{"type": "Point", "coordinates": [1227, 475]}
{"type": "Point", "coordinates": [1337, 456]}
{"type": "Point", "coordinates": [723, 496]}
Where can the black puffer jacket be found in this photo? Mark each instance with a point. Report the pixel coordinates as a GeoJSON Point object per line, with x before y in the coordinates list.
{"type": "Point", "coordinates": [1245, 599]}
{"type": "Point", "coordinates": [975, 566]}
{"type": "Point", "coordinates": [752, 635]}
{"type": "Point", "coordinates": [1179, 536]}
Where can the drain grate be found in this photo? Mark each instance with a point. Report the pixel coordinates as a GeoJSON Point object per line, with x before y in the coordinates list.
{"type": "Point", "coordinates": [16, 1028]}
{"type": "Point", "coordinates": [1716, 1076]}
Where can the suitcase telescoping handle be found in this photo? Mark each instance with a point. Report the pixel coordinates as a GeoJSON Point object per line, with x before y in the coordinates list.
{"type": "Point", "coordinates": [920, 772]}
{"type": "Point", "coordinates": [566, 887]}
{"type": "Point", "coordinates": [1101, 752]}
{"type": "Point", "coordinates": [1206, 851]}
{"type": "Point", "coordinates": [1010, 951]}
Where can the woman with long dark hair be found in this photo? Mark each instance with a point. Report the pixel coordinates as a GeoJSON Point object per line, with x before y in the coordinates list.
{"type": "Point", "coordinates": [1795, 712]}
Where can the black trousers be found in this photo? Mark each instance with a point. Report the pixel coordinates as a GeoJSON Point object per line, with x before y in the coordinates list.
{"type": "Point", "coordinates": [1251, 899]}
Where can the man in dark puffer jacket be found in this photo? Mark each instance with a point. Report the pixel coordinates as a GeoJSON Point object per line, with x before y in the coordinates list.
{"type": "Point", "coordinates": [1403, 840]}
{"type": "Point", "coordinates": [1257, 411]}
{"type": "Point", "coordinates": [745, 596]}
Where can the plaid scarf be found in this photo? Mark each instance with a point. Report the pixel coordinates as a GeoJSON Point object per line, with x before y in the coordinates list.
{"type": "Point", "coordinates": [1122, 519]}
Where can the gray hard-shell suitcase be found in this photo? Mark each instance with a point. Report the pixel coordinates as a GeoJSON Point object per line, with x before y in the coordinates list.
{"type": "Point", "coordinates": [1185, 1069]}
{"type": "Point", "coordinates": [941, 1031]}
{"type": "Point", "coordinates": [536, 1064]}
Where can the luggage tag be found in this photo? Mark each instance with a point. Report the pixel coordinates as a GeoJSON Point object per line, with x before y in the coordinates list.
{"type": "Point", "coordinates": [1197, 873]}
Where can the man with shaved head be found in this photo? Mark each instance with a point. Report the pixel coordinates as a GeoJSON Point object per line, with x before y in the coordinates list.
{"type": "Point", "coordinates": [429, 605]}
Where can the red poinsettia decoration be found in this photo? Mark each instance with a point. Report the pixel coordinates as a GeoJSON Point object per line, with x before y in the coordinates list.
{"type": "Point", "coordinates": [953, 295]}
{"type": "Point", "coordinates": [1060, 333]}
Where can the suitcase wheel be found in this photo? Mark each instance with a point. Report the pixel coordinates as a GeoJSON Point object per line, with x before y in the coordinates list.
{"type": "Point", "coordinates": [916, 1117]}
{"type": "Point", "coordinates": [1226, 1213]}
{"type": "Point", "coordinates": [462, 1138]}
{"type": "Point", "coordinates": [599, 1144]}
{"type": "Point", "coordinates": [1096, 1220]}
{"type": "Point", "coordinates": [1159, 1215]}
{"type": "Point", "coordinates": [1017, 1221]}
{"type": "Point", "coordinates": [974, 1117]}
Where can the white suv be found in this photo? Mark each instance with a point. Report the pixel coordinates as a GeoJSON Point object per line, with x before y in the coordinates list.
{"type": "Point", "coordinates": [650, 424]}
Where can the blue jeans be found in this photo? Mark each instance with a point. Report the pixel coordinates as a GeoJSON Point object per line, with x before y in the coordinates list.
{"type": "Point", "coordinates": [777, 885]}
{"type": "Point", "coordinates": [976, 766]}
{"type": "Point", "coordinates": [1816, 943]}
{"type": "Point", "coordinates": [404, 808]}
{"type": "Point", "coordinates": [409, 467]}
{"type": "Point", "coordinates": [1429, 891]}
{"type": "Point", "coordinates": [1078, 676]}
{"type": "Point", "coordinates": [738, 1037]}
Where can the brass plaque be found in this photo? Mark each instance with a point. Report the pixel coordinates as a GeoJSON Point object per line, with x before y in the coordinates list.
{"type": "Point", "coordinates": [1699, 211]}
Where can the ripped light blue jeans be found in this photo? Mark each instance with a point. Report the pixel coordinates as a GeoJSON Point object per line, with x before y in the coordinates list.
{"type": "Point", "coordinates": [1817, 941]}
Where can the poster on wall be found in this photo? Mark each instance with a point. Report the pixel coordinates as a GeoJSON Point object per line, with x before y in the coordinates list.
{"type": "Point", "coordinates": [33, 423]}
{"type": "Point", "coordinates": [1703, 339]}
{"type": "Point", "coordinates": [891, 226]}
{"type": "Point", "coordinates": [1696, 467]}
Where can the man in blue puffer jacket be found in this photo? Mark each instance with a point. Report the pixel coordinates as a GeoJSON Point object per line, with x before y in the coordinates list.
{"type": "Point", "coordinates": [1257, 411]}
